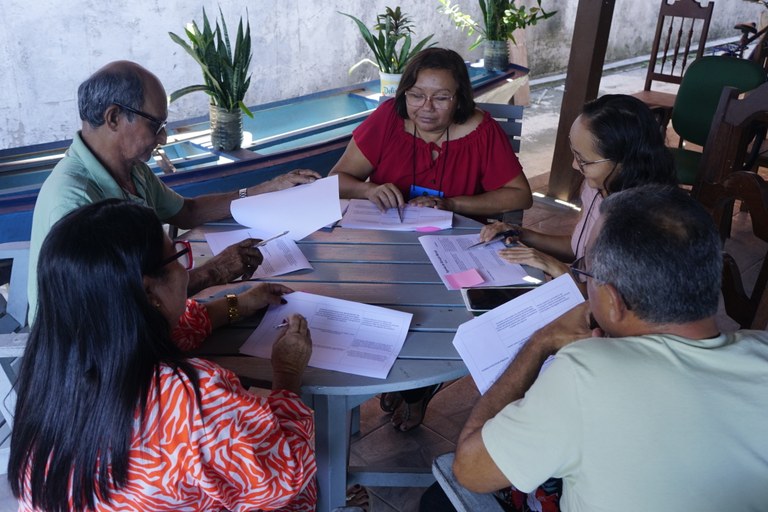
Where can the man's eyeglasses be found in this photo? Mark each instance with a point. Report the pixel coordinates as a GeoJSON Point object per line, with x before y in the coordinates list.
{"type": "Point", "coordinates": [583, 163]}
{"type": "Point", "coordinates": [579, 270]}
{"type": "Point", "coordinates": [157, 123]}
{"type": "Point", "coordinates": [439, 101]}
{"type": "Point", "coordinates": [183, 252]}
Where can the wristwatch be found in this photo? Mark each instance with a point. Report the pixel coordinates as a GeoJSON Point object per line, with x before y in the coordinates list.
{"type": "Point", "coordinates": [243, 192]}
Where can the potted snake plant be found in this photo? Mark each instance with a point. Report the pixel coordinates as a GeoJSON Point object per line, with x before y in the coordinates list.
{"type": "Point", "coordinates": [225, 76]}
{"type": "Point", "coordinates": [392, 47]}
{"type": "Point", "coordinates": [500, 19]}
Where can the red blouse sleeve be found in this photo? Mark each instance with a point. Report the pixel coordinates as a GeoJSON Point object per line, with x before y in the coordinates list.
{"type": "Point", "coordinates": [194, 327]}
{"type": "Point", "coordinates": [372, 134]}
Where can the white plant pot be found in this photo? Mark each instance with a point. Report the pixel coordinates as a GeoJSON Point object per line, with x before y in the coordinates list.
{"type": "Point", "coordinates": [389, 83]}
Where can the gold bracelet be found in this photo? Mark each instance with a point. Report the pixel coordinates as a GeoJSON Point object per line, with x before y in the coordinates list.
{"type": "Point", "coordinates": [232, 310]}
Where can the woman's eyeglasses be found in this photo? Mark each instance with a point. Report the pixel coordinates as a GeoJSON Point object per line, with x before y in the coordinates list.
{"type": "Point", "coordinates": [158, 124]}
{"type": "Point", "coordinates": [439, 101]}
{"type": "Point", "coordinates": [583, 163]}
{"type": "Point", "coordinates": [183, 253]}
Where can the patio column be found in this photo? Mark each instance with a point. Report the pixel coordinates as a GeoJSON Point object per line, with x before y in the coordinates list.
{"type": "Point", "coordinates": [585, 68]}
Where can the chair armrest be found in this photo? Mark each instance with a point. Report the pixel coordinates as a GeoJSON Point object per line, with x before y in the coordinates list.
{"type": "Point", "coordinates": [462, 499]}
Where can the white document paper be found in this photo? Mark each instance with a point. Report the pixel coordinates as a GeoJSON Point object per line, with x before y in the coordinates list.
{"type": "Point", "coordinates": [488, 343]}
{"type": "Point", "coordinates": [300, 210]}
{"type": "Point", "coordinates": [281, 256]}
{"type": "Point", "coordinates": [449, 254]}
{"type": "Point", "coordinates": [363, 214]}
{"type": "Point", "coordinates": [347, 336]}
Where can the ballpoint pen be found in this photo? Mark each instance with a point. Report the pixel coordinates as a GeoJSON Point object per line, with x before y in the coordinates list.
{"type": "Point", "coordinates": [501, 236]}
{"type": "Point", "coordinates": [400, 213]}
{"type": "Point", "coordinates": [264, 242]}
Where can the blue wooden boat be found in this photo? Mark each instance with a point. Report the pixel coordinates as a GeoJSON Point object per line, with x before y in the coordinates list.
{"type": "Point", "coordinates": [306, 132]}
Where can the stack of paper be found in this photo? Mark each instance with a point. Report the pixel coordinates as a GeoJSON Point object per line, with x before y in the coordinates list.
{"type": "Point", "coordinates": [363, 214]}
{"type": "Point", "coordinates": [488, 343]}
{"type": "Point", "coordinates": [347, 336]}
{"type": "Point", "coordinates": [461, 267]}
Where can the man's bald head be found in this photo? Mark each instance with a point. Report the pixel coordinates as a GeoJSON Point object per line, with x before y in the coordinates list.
{"type": "Point", "coordinates": [118, 82]}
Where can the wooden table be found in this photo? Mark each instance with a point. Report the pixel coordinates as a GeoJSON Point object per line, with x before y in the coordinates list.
{"type": "Point", "coordinates": [384, 268]}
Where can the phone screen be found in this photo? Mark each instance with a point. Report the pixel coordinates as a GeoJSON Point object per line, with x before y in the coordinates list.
{"type": "Point", "coordinates": [484, 299]}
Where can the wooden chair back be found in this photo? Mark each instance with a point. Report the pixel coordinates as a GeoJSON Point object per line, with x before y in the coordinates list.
{"type": "Point", "coordinates": [734, 142]}
{"type": "Point", "coordinates": [681, 33]}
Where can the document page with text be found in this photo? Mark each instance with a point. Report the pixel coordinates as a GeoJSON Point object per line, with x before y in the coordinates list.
{"type": "Point", "coordinates": [347, 336]}
{"type": "Point", "coordinates": [489, 342]}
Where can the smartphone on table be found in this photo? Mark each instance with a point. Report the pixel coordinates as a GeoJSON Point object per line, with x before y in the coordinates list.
{"type": "Point", "coordinates": [479, 300]}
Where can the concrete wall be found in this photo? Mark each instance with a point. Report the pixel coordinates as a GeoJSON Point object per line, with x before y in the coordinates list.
{"type": "Point", "coordinates": [301, 46]}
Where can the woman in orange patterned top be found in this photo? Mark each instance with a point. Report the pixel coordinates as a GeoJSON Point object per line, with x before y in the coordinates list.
{"type": "Point", "coordinates": [110, 413]}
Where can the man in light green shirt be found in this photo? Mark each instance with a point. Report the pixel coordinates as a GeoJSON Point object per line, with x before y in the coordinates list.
{"type": "Point", "coordinates": [124, 109]}
{"type": "Point", "coordinates": [654, 410]}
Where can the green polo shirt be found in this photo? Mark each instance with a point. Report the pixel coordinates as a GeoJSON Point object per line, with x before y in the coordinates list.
{"type": "Point", "coordinates": [80, 179]}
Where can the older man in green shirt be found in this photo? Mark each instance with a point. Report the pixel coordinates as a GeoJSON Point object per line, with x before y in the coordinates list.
{"type": "Point", "coordinates": [124, 109]}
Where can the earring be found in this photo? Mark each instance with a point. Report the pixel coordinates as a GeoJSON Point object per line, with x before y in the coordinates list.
{"type": "Point", "coordinates": [157, 305]}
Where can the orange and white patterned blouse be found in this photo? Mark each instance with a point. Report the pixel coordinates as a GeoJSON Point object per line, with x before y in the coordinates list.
{"type": "Point", "coordinates": [240, 452]}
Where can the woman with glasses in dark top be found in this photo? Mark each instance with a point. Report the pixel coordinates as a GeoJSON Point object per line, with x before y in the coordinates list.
{"type": "Point", "coordinates": [617, 144]}
{"type": "Point", "coordinates": [431, 147]}
{"type": "Point", "coordinates": [111, 415]}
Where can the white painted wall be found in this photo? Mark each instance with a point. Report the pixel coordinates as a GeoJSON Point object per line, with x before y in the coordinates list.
{"type": "Point", "coordinates": [48, 47]}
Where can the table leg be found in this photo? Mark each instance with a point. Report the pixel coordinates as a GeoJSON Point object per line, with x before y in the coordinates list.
{"type": "Point", "coordinates": [332, 450]}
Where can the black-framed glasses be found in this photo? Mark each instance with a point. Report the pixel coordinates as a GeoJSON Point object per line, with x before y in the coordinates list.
{"type": "Point", "coordinates": [583, 163]}
{"type": "Point", "coordinates": [157, 123]}
{"type": "Point", "coordinates": [440, 101]}
{"type": "Point", "coordinates": [579, 270]}
{"type": "Point", "coordinates": [183, 253]}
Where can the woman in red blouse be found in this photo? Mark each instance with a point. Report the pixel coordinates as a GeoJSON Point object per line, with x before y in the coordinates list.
{"type": "Point", "coordinates": [111, 415]}
{"type": "Point", "coordinates": [432, 147]}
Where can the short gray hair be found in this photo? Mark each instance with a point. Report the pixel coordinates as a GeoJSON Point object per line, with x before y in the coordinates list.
{"type": "Point", "coordinates": [661, 251]}
{"type": "Point", "coordinates": [121, 84]}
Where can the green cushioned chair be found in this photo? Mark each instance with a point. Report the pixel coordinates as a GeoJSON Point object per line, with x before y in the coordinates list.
{"type": "Point", "coordinates": [697, 101]}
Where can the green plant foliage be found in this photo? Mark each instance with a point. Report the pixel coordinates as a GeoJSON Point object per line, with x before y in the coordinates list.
{"type": "Point", "coordinates": [225, 73]}
{"type": "Point", "coordinates": [500, 19]}
{"type": "Point", "coordinates": [393, 27]}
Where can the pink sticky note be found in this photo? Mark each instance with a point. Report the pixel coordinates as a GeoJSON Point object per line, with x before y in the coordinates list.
{"type": "Point", "coordinates": [464, 279]}
{"type": "Point", "coordinates": [428, 229]}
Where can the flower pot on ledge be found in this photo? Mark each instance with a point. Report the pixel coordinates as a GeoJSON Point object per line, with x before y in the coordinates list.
{"type": "Point", "coordinates": [389, 83]}
{"type": "Point", "coordinates": [226, 128]}
{"type": "Point", "coordinates": [496, 55]}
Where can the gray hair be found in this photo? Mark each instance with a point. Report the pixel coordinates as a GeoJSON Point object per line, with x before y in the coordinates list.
{"type": "Point", "coordinates": [659, 248]}
{"type": "Point", "coordinates": [121, 84]}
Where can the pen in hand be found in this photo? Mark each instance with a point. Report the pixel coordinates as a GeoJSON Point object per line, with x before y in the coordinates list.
{"type": "Point", "coordinates": [400, 213]}
{"type": "Point", "coordinates": [281, 324]}
{"type": "Point", "coordinates": [264, 242]}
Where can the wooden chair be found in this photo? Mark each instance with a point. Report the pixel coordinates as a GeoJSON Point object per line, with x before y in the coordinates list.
{"type": "Point", "coordinates": [697, 101]}
{"type": "Point", "coordinates": [461, 498]}
{"type": "Point", "coordinates": [510, 117]}
{"type": "Point", "coordinates": [749, 310]}
{"type": "Point", "coordinates": [681, 32]}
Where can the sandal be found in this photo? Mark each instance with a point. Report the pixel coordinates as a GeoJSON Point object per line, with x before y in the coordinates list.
{"type": "Point", "coordinates": [389, 402]}
{"type": "Point", "coordinates": [357, 496]}
{"type": "Point", "coordinates": [409, 416]}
